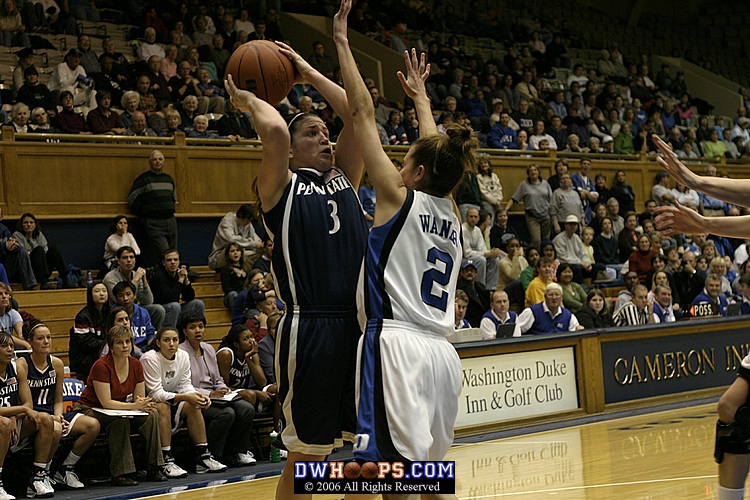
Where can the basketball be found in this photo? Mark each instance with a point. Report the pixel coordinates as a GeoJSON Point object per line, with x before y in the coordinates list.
{"type": "Point", "coordinates": [352, 470]}
{"type": "Point", "coordinates": [259, 66]}
{"type": "Point", "coordinates": [369, 470]}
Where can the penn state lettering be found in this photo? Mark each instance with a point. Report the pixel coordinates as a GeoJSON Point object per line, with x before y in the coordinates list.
{"type": "Point", "coordinates": [332, 185]}
{"type": "Point", "coordinates": [441, 227]}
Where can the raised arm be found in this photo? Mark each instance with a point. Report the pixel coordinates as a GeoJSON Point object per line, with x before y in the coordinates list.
{"type": "Point", "coordinates": [418, 70]}
{"type": "Point", "coordinates": [735, 191]}
{"type": "Point", "coordinates": [386, 179]}
{"type": "Point", "coordinates": [681, 219]}
{"type": "Point", "coordinates": [347, 154]}
{"type": "Point", "coordinates": [274, 172]}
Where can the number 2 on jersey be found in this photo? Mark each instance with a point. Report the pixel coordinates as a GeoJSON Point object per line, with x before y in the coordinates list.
{"type": "Point", "coordinates": [436, 276]}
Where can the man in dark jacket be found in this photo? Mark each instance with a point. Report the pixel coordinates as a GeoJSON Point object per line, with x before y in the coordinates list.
{"type": "Point", "coordinates": [479, 297]}
{"type": "Point", "coordinates": [169, 284]}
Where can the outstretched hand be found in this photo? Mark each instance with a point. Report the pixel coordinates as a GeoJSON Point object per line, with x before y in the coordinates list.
{"type": "Point", "coordinates": [340, 24]}
{"type": "Point", "coordinates": [679, 219]}
{"type": "Point", "coordinates": [303, 67]}
{"type": "Point", "coordinates": [417, 72]}
{"type": "Point", "coordinates": [243, 99]}
{"type": "Point", "coordinates": [672, 165]}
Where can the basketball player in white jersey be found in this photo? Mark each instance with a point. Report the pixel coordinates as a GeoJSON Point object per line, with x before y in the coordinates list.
{"type": "Point", "coordinates": [411, 269]}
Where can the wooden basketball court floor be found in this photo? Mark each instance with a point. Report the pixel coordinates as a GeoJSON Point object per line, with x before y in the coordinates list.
{"type": "Point", "coordinates": [664, 455]}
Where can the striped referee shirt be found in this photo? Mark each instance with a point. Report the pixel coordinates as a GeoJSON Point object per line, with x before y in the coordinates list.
{"type": "Point", "coordinates": [630, 315]}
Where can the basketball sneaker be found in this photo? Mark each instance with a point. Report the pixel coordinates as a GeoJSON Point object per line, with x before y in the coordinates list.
{"type": "Point", "coordinates": [4, 495]}
{"type": "Point", "coordinates": [246, 458]}
{"type": "Point", "coordinates": [39, 486]}
{"type": "Point", "coordinates": [66, 476]}
{"type": "Point", "coordinates": [173, 471]}
{"type": "Point", "coordinates": [207, 463]}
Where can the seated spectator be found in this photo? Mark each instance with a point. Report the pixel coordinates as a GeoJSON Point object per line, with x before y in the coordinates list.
{"type": "Point", "coordinates": [744, 288]}
{"type": "Point", "coordinates": [566, 202]}
{"type": "Point", "coordinates": [15, 262]}
{"type": "Point", "coordinates": [239, 364]}
{"type": "Point", "coordinates": [166, 369]}
{"type": "Point", "coordinates": [130, 102]}
{"type": "Point", "coordinates": [19, 116]}
{"type": "Point", "coordinates": [539, 135]}
{"type": "Point", "coordinates": [170, 284]}
{"type": "Point", "coordinates": [628, 237]}
{"type": "Point", "coordinates": [44, 258]}
{"type": "Point", "coordinates": [138, 126]}
{"type": "Point", "coordinates": [395, 129]}
{"type": "Point", "coordinates": [640, 260]}
{"type": "Point", "coordinates": [45, 380]}
{"type": "Point", "coordinates": [626, 295]}
{"type": "Point", "coordinates": [236, 228]}
{"type": "Point", "coordinates": [185, 85]}
{"type": "Point", "coordinates": [660, 191]}
{"type": "Point", "coordinates": [605, 246]}
{"type": "Point", "coordinates": [89, 334]}
{"type": "Point", "coordinates": [200, 129]}
{"type": "Point", "coordinates": [33, 93]}
{"type": "Point", "coordinates": [188, 112]}
{"type": "Point", "coordinates": [215, 93]}
{"type": "Point", "coordinates": [40, 123]}
{"type": "Point", "coordinates": [569, 249]}
{"type": "Point", "coordinates": [174, 123]}
{"type": "Point", "coordinates": [624, 140]}
{"type": "Point", "coordinates": [168, 64]}
{"type": "Point", "coordinates": [522, 141]}
{"type": "Point", "coordinates": [229, 426]}
{"type": "Point", "coordinates": [474, 248]}
{"type": "Point", "coordinates": [527, 275]}
{"type": "Point", "coordinates": [10, 319]}
{"type": "Point", "coordinates": [594, 313]}
{"type": "Point", "coordinates": [511, 267]}
{"type": "Point", "coordinates": [544, 273]}
{"type": "Point", "coordinates": [573, 293]}
{"type": "Point", "coordinates": [114, 379]}
{"type": "Point", "coordinates": [21, 423]}
{"type": "Point", "coordinates": [461, 303]}
{"type": "Point", "coordinates": [479, 298]}
{"type": "Point", "coordinates": [713, 147]}
{"type": "Point", "coordinates": [502, 232]}
{"type": "Point", "coordinates": [256, 284]}
{"type": "Point", "coordinates": [235, 122]}
{"type": "Point", "coordinates": [233, 274]}
{"type": "Point", "coordinates": [263, 262]}
{"type": "Point", "coordinates": [102, 119]}
{"type": "Point", "coordinates": [636, 312]}
{"type": "Point", "coordinates": [70, 76]}
{"type": "Point", "coordinates": [499, 314]}
{"type": "Point", "coordinates": [109, 79]}
{"type": "Point", "coordinates": [67, 120]}
{"type": "Point", "coordinates": [12, 29]}
{"type": "Point", "coordinates": [741, 130]}
{"type": "Point", "coordinates": [710, 302]}
{"type": "Point", "coordinates": [119, 237]}
{"type": "Point", "coordinates": [147, 103]}
{"type": "Point", "coordinates": [139, 319]}
{"type": "Point", "coordinates": [548, 316]}
{"type": "Point", "coordinates": [149, 47]}
{"type": "Point", "coordinates": [125, 270]}
{"type": "Point", "coordinates": [664, 310]}
{"type": "Point", "coordinates": [689, 281]}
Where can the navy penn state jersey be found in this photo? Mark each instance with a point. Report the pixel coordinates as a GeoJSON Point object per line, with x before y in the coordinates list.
{"type": "Point", "coordinates": [42, 385]}
{"type": "Point", "coordinates": [9, 387]}
{"type": "Point", "coordinates": [239, 373]}
{"type": "Point", "coordinates": [319, 231]}
{"type": "Point", "coordinates": [412, 264]}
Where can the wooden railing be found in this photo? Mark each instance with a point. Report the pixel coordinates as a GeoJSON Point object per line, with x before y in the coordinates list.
{"type": "Point", "coordinates": [90, 176]}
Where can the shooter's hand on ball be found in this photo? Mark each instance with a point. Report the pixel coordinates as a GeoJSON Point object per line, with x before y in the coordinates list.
{"type": "Point", "coordinates": [304, 69]}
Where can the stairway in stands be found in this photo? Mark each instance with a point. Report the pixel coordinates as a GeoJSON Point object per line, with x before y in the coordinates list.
{"type": "Point", "coordinates": [58, 308]}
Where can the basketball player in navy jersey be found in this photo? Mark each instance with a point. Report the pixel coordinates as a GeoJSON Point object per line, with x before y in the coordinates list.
{"type": "Point", "coordinates": [19, 422]}
{"type": "Point", "coordinates": [411, 269]}
{"type": "Point", "coordinates": [312, 213]}
{"type": "Point", "coordinates": [45, 376]}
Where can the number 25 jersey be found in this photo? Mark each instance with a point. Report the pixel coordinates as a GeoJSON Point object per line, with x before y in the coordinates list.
{"type": "Point", "coordinates": [412, 264]}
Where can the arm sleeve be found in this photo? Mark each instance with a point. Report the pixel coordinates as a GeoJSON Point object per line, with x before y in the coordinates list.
{"type": "Point", "coordinates": [488, 329]}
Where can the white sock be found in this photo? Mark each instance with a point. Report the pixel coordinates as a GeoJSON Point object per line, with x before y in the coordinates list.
{"type": "Point", "coordinates": [730, 494]}
{"type": "Point", "coordinates": [71, 459]}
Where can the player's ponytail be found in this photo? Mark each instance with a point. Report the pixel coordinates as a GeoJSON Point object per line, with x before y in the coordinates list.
{"type": "Point", "coordinates": [446, 157]}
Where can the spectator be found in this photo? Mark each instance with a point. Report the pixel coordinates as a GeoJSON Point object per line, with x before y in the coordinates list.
{"type": "Point", "coordinates": [561, 167]}
{"type": "Point", "coordinates": [624, 140]}
{"type": "Point", "coordinates": [118, 238]}
{"type": "Point", "coordinates": [475, 248]}
{"type": "Point", "coordinates": [594, 313]}
{"type": "Point", "coordinates": [536, 195]}
{"type": "Point", "coordinates": [174, 123]}
{"type": "Point", "coordinates": [502, 135]}
{"type": "Point", "coordinates": [130, 102]}
{"type": "Point", "coordinates": [741, 130]}
{"type": "Point", "coordinates": [540, 135]}
{"type": "Point", "coordinates": [70, 76]}
{"type": "Point", "coordinates": [231, 420]}
{"type": "Point", "coordinates": [236, 227]}
{"type": "Point", "coordinates": [170, 284]}
{"type": "Point", "coordinates": [33, 93]}
{"type": "Point", "coordinates": [366, 194]}
{"type": "Point", "coordinates": [235, 122]}
{"type": "Point", "coordinates": [636, 312]}
{"type": "Point", "coordinates": [689, 281]}
{"type": "Point", "coordinates": [149, 47]}
{"type": "Point", "coordinates": [126, 271]}
{"type": "Point", "coordinates": [573, 293]}
{"type": "Point", "coordinates": [152, 198]}
{"type": "Point", "coordinates": [498, 314]}
{"type": "Point", "coordinates": [68, 120]}
{"type": "Point", "coordinates": [102, 119]}
{"type": "Point", "coordinates": [548, 316]}
{"type": "Point", "coordinates": [710, 302]}
{"type": "Point", "coordinates": [395, 130]}
{"type": "Point", "coordinates": [89, 60]}
{"type": "Point", "coordinates": [461, 303]}
{"type": "Point", "coordinates": [569, 249]}
{"type": "Point", "coordinates": [479, 299]}
{"type": "Point", "coordinates": [511, 267]}
{"type": "Point", "coordinates": [110, 387]}
{"type": "Point", "coordinates": [713, 147]}
{"type": "Point", "coordinates": [138, 126]}
{"type": "Point", "coordinates": [585, 187]}
{"type": "Point", "coordinates": [166, 370]}
{"type": "Point", "coordinates": [660, 193]}
{"type": "Point", "coordinates": [565, 203]}
{"type": "Point", "coordinates": [605, 246]}
{"type": "Point", "coordinates": [664, 311]}
{"type": "Point", "coordinates": [88, 333]}
{"type": "Point", "coordinates": [489, 187]}
{"type": "Point", "coordinates": [15, 259]}
{"type": "Point", "coordinates": [233, 274]}
{"type": "Point", "coordinates": [19, 116]}
{"type": "Point", "coordinates": [613, 212]}
{"type": "Point", "coordinates": [544, 273]}
{"type": "Point", "coordinates": [139, 320]}
{"type": "Point", "coordinates": [628, 237]}
{"type": "Point", "coordinates": [557, 132]}
{"type": "Point", "coordinates": [25, 60]}
{"type": "Point", "coordinates": [40, 123]}
{"type": "Point", "coordinates": [640, 260]}
{"type": "Point", "coordinates": [44, 257]}
{"type": "Point", "coordinates": [10, 318]}
{"type": "Point", "coordinates": [263, 262]}
{"type": "Point", "coordinates": [12, 28]}
{"type": "Point", "coordinates": [211, 90]}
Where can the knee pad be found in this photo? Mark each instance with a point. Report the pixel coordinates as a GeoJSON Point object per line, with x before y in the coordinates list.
{"type": "Point", "coordinates": [733, 438]}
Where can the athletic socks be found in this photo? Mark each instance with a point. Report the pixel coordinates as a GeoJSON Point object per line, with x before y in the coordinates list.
{"type": "Point", "coordinates": [731, 494]}
{"type": "Point", "coordinates": [71, 459]}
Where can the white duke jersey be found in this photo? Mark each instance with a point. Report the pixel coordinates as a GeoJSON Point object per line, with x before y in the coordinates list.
{"type": "Point", "coordinates": [412, 264]}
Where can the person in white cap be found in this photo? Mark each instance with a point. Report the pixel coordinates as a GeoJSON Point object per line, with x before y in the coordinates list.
{"type": "Point", "coordinates": [569, 249]}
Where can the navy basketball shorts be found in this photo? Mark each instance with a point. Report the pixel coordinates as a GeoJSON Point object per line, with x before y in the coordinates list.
{"type": "Point", "coordinates": [316, 352]}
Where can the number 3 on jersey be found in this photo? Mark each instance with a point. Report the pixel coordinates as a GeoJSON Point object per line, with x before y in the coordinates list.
{"type": "Point", "coordinates": [436, 276]}
{"type": "Point", "coordinates": [335, 216]}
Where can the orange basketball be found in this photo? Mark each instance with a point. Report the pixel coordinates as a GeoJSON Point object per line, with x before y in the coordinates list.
{"type": "Point", "coordinates": [369, 470]}
{"type": "Point", "coordinates": [352, 470]}
{"type": "Point", "coordinates": [259, 66]}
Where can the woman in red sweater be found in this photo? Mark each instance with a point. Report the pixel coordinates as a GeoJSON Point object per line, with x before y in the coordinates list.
{"type": "Point", "coordinates": [640, 260]}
